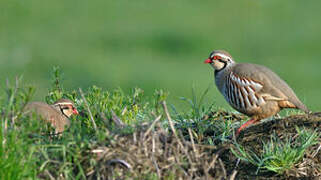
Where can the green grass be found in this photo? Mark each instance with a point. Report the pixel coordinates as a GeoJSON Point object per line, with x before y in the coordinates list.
{"type": "Point", "coordinates": [16, 152]}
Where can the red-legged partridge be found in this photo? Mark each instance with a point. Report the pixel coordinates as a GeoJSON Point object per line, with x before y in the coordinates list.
{"type": "Point", "coordinates": [251, 89]}
{"type": "Point", "coordinates": [56, 114]}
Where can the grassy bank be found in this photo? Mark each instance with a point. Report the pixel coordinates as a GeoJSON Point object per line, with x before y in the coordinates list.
{"type": "Point", "coordinates": [119, 135]}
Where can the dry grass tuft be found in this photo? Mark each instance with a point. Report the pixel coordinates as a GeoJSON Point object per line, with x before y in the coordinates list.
{"type": "Point", "coordinates": [156, 153]}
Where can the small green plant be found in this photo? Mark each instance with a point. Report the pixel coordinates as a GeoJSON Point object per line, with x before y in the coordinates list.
{"type": "Point", "coordinates": [277, 155]}
{"type": "Point", "coordinates": [159, 96]}
{"type": "Point", "coordinates": [56, 91]}
{"type": "Point", "coordinates": [198, 109]}
{"type": "Point", "coordinates": [283, 155]}
{"type": "Point", "coordinates": [195, 117]}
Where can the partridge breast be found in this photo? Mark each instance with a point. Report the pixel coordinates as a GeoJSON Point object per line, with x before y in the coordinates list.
{"type": "Point", "coordinates": [243, 93]}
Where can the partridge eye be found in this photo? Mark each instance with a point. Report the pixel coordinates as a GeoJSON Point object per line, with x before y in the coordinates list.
{"type": "Point", "coordinates": [67, 107]}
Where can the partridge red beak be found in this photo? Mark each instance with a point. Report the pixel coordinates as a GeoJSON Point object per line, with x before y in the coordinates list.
{"type": "Point", "coordinates": [208, 61]}
{"type": "Point", "coordinates": [74, 111]}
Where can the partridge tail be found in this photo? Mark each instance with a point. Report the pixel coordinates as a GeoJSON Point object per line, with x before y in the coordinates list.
{"type": "Point", "coordinates": [303, 107]}
{"type": "Point", "coordinates": [297, 105]}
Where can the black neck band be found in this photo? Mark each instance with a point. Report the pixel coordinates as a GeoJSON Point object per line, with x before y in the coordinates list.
{"type": "Point", "coordinates": [62, 111]}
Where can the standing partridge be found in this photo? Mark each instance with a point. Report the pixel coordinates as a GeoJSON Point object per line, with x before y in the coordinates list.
{"type": "Point", "coordinates": [56, 114]}
{"type": "Point", "coordinates": [251, 89]}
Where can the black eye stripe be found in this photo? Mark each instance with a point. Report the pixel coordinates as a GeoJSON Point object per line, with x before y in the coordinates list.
{"type": "Point", "coordinates": [66, 107]}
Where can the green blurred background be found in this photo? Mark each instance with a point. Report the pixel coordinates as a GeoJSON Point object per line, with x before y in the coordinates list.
{"type": "Point", "coordinates": [155, 44]}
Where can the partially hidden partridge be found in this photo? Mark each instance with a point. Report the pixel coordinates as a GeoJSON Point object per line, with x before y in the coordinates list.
{"type": "Point", "coordinates": [251, 89]}
{"type": "Point", "coordinates": [56, 114]}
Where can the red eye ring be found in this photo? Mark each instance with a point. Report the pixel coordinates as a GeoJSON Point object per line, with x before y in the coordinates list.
{"type": "Point", "coordinates": [216, 57]}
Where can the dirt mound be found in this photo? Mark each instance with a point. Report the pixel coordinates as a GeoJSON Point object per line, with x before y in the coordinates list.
{"type": "Point", "coordinates": [158, 153]}
{"type": "Point", "coordinates": [309, 167]}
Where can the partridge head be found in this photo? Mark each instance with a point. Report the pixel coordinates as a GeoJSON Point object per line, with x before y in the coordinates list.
{"type": "Point", "coordinates": [251, 89]}
{"type": "Point", "coordinates": [56, 114]}
{"type": "Point", "coordinates": [66, 107]}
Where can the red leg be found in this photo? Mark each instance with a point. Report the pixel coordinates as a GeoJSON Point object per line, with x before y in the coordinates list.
{"type": "Point", "coordinates": [249, 122]}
